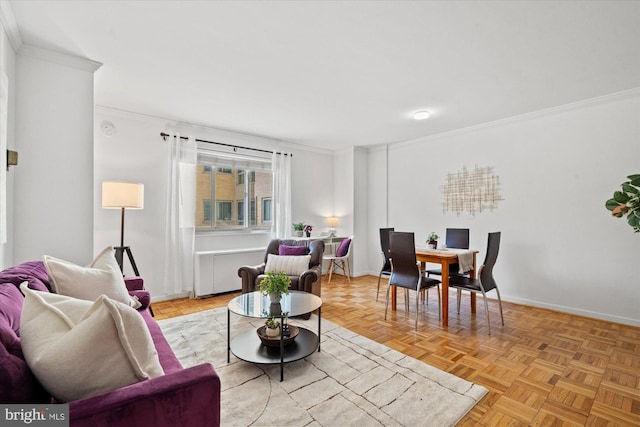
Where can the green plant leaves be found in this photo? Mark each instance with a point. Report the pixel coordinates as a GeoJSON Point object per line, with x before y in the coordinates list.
{"type": "Point", "coordinates": [627, 202]}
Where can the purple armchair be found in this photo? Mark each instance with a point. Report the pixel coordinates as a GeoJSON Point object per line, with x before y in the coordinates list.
{"type": "Point", "coordinates": [181, 397]}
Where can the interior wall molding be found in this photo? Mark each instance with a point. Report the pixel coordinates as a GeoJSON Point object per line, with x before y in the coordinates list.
{"type": "Point", "coordinates": [48, 55]}
{"type": "Point", "coordinates": [625, 94]}
{"type": "Point", "coordinates": [10, 25]}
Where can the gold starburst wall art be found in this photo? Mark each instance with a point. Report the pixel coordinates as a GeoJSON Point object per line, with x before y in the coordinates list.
{"type": "Point", "coordinates": [471, 191]}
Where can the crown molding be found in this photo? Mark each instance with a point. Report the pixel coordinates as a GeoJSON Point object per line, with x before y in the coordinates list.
{"type": "Point", "coordinates": [9, 24]}
{"type": "Point", "coordinates": [65, 59]}
{"type": "Point", "coordinates": [611, 97]}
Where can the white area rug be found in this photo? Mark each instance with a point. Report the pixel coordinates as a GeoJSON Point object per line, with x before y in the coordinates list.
{"type": "Point", "coordinates": [352, 381]}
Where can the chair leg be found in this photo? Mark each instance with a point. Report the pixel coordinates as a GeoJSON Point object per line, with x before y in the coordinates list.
{"type": "Point", "coordinates": [347, 272]}
{"type": "Point", "coordinates": [459, 296]}
{"type": "Point", "coordinates": [406, 300]}
{"type": "Point", "coordinates": [500, 304]}
{"type": "Point", "coordinates": [331, 263]}
{"type": "Point", "coordinates": [378, 292]}
{"type": "Point", "coordinates": [439, 304]}
{"type": "Point", "coordinates": [386, 303]}
{"type": "Point", "coordinates": [417, 312]}
{"type": "Point", "coordinates": [486, 309]}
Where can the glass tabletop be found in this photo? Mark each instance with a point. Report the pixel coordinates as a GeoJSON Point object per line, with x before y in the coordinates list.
{"type": "Point", "coordinates": [254, 304]}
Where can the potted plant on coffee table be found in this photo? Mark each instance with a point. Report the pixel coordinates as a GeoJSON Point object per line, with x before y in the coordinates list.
{"type": "Point", "coordinates": [272, 327]}
{"type": "Point", "coordinates": [275, 285]}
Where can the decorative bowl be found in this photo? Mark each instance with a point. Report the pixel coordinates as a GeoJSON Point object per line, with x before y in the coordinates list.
{"type": "Point", "coordinates": [275, 341]}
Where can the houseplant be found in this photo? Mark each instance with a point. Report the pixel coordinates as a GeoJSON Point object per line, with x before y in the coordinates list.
{"type": "Point", "coordinates": [272, 327]}
{"type": "Point", "coordinates": [432, 240]}
{"type": "Point", "coordinates": [275, 285]}
{"type": "Point", "coordinates": [627, 202]}
{"type": "Point", "coordinates": [298, 227]}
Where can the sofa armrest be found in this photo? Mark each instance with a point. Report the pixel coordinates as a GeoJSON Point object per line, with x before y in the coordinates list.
{"type": "Point", "coordinates": [190, 397]}
{"type": "Point", "coordinates": [248, 275]}
{"type": "Point", "coordinates": [134, 283]}
{"type": "Point", "coordinates": [144, 297]}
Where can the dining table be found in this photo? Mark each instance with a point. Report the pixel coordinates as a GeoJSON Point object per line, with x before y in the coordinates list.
{"type": "Point", "coordinates": [444, 257]}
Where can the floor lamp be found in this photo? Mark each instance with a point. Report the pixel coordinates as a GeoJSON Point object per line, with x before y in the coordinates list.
{"type": "Point", "coordinates": [123, 195]}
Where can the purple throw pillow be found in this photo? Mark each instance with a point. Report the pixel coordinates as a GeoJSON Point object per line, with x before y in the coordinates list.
{"type": "Point", "coordinates": [292, 250]}
{"type": "Point", "coordinates": [344, 248]}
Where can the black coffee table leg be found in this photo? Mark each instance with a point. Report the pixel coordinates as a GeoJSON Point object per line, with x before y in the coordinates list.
{"type": "Point", "coordinates": [228, 335]}
{"type": "Point", "coordinates": [319, 318]}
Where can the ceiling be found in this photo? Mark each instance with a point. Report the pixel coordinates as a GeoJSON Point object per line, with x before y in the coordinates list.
{"type": "Point", "coordinates": [335, 74]}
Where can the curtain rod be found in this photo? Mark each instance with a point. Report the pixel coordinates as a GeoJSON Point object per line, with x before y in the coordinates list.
{"type": "Point", "coordinates": [235, 147]}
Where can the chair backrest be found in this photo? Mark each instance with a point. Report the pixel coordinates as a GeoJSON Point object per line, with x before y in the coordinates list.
{"type": "Point", "coordinates": [349, 242]}
{"type": "Point", "coordinates": [486, 271]}
{"type": "Point", "coordinates": [384, 246]}
{"type": "Point", "coordinates": [457, 238]}
{"type": "Point", "coordinates": [315, 247]}
{"type": "Point", "coordinates": [402, 251]}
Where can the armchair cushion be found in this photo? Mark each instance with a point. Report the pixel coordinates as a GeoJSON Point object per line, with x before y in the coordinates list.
{"type": "Point", "coordinates": [293, 250]}
{"type": "Point", "coordinates": [290, 265]}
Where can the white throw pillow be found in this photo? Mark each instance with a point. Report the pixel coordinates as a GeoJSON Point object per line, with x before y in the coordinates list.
{"type": "Point", "coordinates": [101, 277]}
{"type": "Point", "coordinates": [291, 265]}
{"type": "Point", "coordinates": [78, 349]}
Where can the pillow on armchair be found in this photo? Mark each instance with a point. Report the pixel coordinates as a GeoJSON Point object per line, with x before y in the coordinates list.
{"type": "Point", "coordinates": [291, 265]}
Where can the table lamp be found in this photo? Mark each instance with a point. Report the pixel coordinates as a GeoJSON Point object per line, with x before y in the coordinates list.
{"type": "Point", "coordinates": [123, 195]}
{"type": "Point", "coordinates": [333, 223]}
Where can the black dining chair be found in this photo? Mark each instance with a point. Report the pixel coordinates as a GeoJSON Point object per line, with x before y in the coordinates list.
{"type": "Point", "coordinates": [386, 263]}
{"type": "Point", "coordinates": [456, 238]}
{"type": "Point", "coordinates": [405, 272]}
{"type": "Point", "coordinates": [485, 281]}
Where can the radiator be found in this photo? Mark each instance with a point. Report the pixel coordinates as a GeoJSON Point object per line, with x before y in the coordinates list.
{"type": "Point", "coordinates": [217, 271]}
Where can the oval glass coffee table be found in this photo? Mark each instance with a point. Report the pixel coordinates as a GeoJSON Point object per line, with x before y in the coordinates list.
{"type": "Point", "coordinates": [247, 345]}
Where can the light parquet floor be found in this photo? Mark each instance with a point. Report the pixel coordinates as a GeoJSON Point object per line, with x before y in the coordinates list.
{"type": "Point", "coordinates": [542, 368]}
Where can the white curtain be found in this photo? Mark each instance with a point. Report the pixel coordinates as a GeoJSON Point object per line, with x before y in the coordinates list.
{"type": "Point", "coordinates": [281, 164]}
{"type": "Point", "coordinates": [180, 216]}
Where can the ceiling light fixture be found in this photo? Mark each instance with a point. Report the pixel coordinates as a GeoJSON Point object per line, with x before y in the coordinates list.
{"type": "Point", "coordinates": [421, 115]}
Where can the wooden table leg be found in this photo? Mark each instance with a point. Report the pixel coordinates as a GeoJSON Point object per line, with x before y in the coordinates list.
{"type": "Point", "coordinates": [394, 297]}
{"type": "Point", "coordinates": [445, 293]}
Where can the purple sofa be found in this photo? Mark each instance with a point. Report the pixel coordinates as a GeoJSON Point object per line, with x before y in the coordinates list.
{"type": "Point", "coordinates": [181, 397]}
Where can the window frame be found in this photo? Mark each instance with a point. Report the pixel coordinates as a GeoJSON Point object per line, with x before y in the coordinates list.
{"type": "Point", "coordinates": [250, 222]}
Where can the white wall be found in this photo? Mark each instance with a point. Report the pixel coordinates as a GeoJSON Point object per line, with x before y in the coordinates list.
{"type": "Point", "coordinates": [560, 247]}
{"type": "Point", "coordinates": [137, 153]}
{"type": "Point", "coordinates": [8, 67]}
{"type": "Point", "coordinates": [54, 138]}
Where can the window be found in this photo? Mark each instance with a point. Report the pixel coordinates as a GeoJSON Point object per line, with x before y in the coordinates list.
{"type": "Point", "coordinates": [206, 206]}
{"type": "Point", "coordinates": [266, 209]}
{"type": "Point", "coordinates": [223, 211]}
{"type": "Point", "coordinates": [241, 213]}
{"type": "Point", "coordinates": [233, 198]}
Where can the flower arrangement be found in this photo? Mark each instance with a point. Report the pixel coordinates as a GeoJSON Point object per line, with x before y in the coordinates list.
{"type": "Point", "coordinates": [627, 202]}
{"type": "Point", "coordinates": [307, 229]}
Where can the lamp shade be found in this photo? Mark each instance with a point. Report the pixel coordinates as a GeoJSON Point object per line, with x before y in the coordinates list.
{"type": "Point", "coordinates": [117, 195]}
{"type": "Point", "coordinates": [332, 222]}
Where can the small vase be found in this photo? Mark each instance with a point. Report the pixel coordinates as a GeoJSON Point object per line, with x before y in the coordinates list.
{"type": "Point", "coordinates": [433, 244]}
{"type": "Point", "coordinates": [275, 332]}
{"type": "Point", "coordinates": [298, 233]}
{"type": "Point", "coordinates": [275, 298]}
{"type": "Point", "coordinates": [308, 234]}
